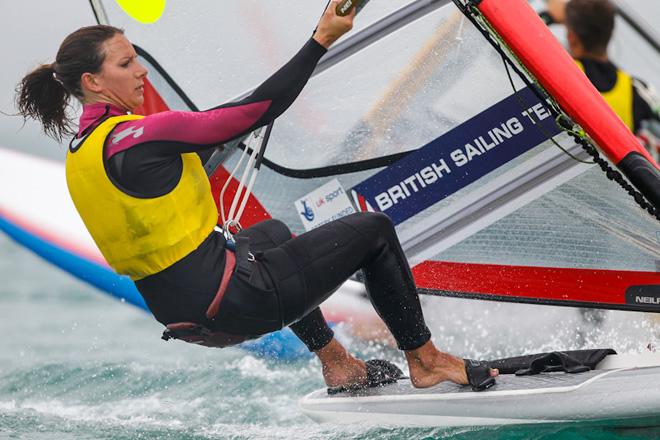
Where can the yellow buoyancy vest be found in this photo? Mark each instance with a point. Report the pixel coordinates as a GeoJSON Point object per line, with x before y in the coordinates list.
{"type": "Point", "coordinates": [139, 236]}
{"type": "Point", "coordinates": [620, 97]}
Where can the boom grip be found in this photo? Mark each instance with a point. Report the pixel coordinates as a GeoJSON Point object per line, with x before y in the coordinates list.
{"type": "Point", "coordinates": [345, 6]}
{"type": "Point", "coordinates": [643, 175]}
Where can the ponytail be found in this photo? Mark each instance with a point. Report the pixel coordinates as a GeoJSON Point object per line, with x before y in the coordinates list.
{"type": "Point", "coordinates": [44, 93]}
{"type": "Point", "coordinates": [41, 96]}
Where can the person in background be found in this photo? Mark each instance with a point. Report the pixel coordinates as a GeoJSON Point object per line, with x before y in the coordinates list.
{"type": "Point", "coordinates": [589, 25]}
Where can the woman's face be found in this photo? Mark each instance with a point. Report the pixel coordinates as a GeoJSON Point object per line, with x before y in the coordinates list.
{"type": "Point", "coordinates": [121, 78]}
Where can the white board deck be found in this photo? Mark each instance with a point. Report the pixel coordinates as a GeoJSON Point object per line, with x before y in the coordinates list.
{"type": "Point", "coordinates": [626, 392]}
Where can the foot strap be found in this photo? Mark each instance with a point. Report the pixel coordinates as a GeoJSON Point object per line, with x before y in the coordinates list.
{"type": "Point", "coordinates": [478, 374]}
{"type": "Point", "coordinates": [555, 361]}
{"type": "Point", "coordinates": [379, 373]}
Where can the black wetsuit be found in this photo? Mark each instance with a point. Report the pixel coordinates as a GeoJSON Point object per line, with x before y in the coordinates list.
{"type": "Point", "coordinates": [292, 276]}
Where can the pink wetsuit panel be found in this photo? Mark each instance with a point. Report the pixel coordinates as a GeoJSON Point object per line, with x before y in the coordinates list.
{"type": "Point", "coordinates": [192, 128]}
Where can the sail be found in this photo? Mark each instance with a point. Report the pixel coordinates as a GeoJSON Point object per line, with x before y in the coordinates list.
{"type": "Point", "coordinates": [415, 86]}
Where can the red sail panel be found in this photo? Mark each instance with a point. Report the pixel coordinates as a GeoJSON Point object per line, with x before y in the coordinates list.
{"type": "Point", "coordinates": [530, 39]}
{"type": "Point", "coordinates": [254, 211]}
{"type": "Point", "coordinates": [533, 284]}
{"type": "Point", "coordinates": [153, 102]}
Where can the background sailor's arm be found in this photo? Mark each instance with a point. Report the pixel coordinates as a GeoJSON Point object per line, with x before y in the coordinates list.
{"type": "Point", "coordinates": [555, 11]}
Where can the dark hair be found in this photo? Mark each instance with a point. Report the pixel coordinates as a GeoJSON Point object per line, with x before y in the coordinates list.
{"type": "Point", "coordinates": [593, 23]}
{"type": "Point", "coordinates": [44, 93]}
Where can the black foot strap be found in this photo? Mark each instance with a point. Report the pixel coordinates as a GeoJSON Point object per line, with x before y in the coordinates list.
{"type": "Point", "coordinates": [555, 361]}
{"type": "Point", "coordinates": [590, 358]}
{"type": "Point", "coordinates": [478, 374]}
{"type": "Point", "coordinates": [379, 373]}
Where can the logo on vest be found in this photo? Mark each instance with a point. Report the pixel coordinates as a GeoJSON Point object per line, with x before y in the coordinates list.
{"type": "Point", "coordinates": [135, 131]}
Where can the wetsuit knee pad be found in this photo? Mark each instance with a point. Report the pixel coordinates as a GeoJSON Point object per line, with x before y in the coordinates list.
{"type": "Point", "coordinates": [372, 221]}
{"type": "Point", "coordinates": [267, 234]}
{"type": "Point", "coordinates": [277, 230]}
{"type": "Point", "coordinates": [375, 227]}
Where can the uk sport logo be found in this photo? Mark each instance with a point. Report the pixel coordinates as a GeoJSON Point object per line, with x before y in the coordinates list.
{"type": "Point", "coordinates": [307, 211]}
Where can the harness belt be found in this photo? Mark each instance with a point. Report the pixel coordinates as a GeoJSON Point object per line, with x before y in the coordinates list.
{"type": "Point", "coordinates": [230, 264]}
{"type": "Point", "coordinates": [238, 258]}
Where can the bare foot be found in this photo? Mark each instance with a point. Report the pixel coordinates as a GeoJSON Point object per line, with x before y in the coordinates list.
{"type": "Point", "coordinates": [428, 366]}
{"type": "Point", "coordinates": [339, 367]}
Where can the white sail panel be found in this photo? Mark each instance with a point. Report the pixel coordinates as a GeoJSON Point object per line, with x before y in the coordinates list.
{"type": "Point", "coordinates": [217, 50]}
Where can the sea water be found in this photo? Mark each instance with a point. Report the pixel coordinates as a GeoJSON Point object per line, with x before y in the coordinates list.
{"type": "Point", "coordinates": [75, 364]}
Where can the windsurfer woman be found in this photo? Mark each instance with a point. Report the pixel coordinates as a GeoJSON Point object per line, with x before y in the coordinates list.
{"type": "Point", "coordinates": [139, 186]}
